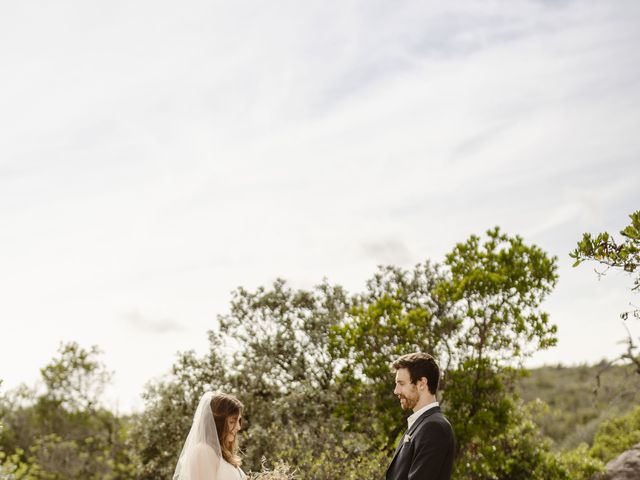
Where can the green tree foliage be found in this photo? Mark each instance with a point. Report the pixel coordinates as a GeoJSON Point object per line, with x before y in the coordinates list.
{"type": "Point", "coordinates": [399, 312]}
{"type": "Point", "coordinates": [285, 371]}
{"type": "Point", "coordinates": [13, 467]}
{"type": "Point", "coordinates": [520, 451]}
{"type": "Point", "coordinates": [578, 464]}
{"type": "Point", "coordinates": [514, 451]}
{"type": "Point", "coordinates": [75, 379]}
{"type": "Point", "coordinates": [63, 432]}
{"type": "Point", "coordinates": [617, 435]}
{"type": "Point", "coordinates": [478, 313]}
{"type": "Point", "coordinates": [498, 286]}
{"type": "Point", "coordinates": [606, 250]}
{"type": "Point", "coordinates": [623, 255]}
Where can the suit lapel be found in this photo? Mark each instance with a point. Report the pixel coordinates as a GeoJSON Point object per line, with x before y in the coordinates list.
{"type": "Point", "coordinates": [413, 428]}
{"type": "Point", "coordinates": [422, 418]}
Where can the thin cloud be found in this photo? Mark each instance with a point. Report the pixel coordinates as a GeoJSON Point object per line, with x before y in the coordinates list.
{"type": "Point", "coordinates": [388, 252]}
{"type": "Point", "coordinates": [149, 324]}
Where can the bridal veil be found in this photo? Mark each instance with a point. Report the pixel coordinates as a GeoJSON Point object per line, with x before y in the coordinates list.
{"type": "Point", "coordinates": [201, 455]}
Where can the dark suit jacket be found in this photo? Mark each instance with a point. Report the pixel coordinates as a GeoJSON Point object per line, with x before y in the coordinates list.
{"type": "Point", "coordinates": [426, 451]}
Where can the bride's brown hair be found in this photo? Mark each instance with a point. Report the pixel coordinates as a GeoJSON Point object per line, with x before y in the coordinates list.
{"type": "Point", "coordinates": [224, 406]}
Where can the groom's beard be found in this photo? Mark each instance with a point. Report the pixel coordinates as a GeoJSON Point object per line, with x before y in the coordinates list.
{"type": "Point", "coordinates": [407, 403]}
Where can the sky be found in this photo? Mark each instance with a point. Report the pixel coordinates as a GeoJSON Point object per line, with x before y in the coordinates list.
{"type": "Point", "coordinates": [156, 155]}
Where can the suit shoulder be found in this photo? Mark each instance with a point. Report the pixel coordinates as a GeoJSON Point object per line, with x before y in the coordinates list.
{"type": "Point", "coordinates": [436, 424]}
{"type": "Point", "coordinates": [441, 418]}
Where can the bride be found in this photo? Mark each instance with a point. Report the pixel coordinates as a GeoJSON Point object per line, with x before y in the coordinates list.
{"type": "Point", "coordinates": [210, 451]}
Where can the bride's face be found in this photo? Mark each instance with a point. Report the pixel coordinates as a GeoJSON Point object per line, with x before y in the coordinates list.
{"type": "Point", "coordinates": [234, 424]}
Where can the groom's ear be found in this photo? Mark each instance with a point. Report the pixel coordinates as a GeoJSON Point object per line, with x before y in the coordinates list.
{"type": "Point", "coordinates": [423, 381]}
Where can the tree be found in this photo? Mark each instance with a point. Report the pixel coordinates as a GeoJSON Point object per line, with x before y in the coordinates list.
{"type": "Point", "coordinates": [621, 255]}
{"type": "Point", "coordinates": [399, 312]}
{"type": "Point", "coordinates": [284, 372]}
{"type": "Point", "coordinates": [478, 313]}
{"type": "Point", "coordinates": [76, 378]}
{"type": "Point", "coordinates": [64, 432]}
{"type": "Point", "coordinates": [605, 250]}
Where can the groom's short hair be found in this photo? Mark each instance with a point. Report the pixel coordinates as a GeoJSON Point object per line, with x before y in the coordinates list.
{"type": "Point", "coordinates": [420, 365]}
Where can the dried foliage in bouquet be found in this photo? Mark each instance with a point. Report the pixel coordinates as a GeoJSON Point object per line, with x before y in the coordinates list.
{"type": "Point", "coordinates": [280, 471]}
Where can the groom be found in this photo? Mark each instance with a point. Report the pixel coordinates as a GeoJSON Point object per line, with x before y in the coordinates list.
{"type": "Point", "coordinates": [427, 448]}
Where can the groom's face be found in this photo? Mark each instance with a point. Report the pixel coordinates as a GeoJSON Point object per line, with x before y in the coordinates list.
{"type": "Point", "coordinates": [406, 391]}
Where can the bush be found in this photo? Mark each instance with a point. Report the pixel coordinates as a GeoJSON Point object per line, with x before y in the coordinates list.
{"type": "Point", "coordinates": [616, 436]}
{"type": "Point", "coordinates": [578, 464]}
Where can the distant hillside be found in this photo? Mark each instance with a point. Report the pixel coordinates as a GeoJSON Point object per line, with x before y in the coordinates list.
{"type": "Point", "coordinates": [577, 405]}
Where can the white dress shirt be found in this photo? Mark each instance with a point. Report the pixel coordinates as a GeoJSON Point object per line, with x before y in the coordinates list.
{"type": "Point", "coordinates": [415, 415]}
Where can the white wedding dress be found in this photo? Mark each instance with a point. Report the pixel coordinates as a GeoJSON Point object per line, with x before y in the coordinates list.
{"type": "Point", "coordinates": [201, 457]}
{"type": "Point", "coordinates": [229, 472]}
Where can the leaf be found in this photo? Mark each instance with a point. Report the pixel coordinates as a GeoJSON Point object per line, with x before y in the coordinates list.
{"type": "Point", "coordinates": [630, 232]}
